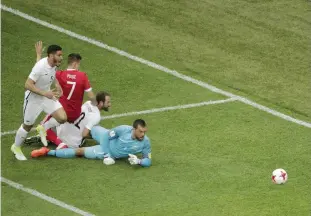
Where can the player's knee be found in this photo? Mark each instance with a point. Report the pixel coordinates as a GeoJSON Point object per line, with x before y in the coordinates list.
{"type": "Point", "coordinates": [61, 116]}
{"type": "Point", "coordinates": [62, 119]}
{"type": "Point", "coordinates": [27, 127]}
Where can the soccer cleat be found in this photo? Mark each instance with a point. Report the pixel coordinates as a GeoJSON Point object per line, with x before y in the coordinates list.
{"type": "Point", "coordinates": [42, 133]}
{"type": "Point", "coordinates": [61, 146]}
{"type": "Point", "coordinates": [32, 140]}
{"type": "Point", "coordinates": [40, 152]}
{"type": "Point", "coordinates": [18, 152]}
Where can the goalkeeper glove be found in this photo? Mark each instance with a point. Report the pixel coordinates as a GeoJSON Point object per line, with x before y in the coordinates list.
{"type": "Point", "coordinates": [108, 160]}
{"type": "Point", "coordinates": [133, 159]}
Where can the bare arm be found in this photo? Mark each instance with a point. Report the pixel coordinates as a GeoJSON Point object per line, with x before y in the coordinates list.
{"type": "Point", "coordinates": [92, 97]}
{"type": "Point", "coordinates": [86, 133]}
{"type": "Point", "coordinates": [30, 85]}
{"type": "Point", "coordinates": [39, 50]}
{"type": "Point", "coordinates": [58, 88]}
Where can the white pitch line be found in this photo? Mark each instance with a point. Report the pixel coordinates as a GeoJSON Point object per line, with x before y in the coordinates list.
{"type": "Point", "coordinates": [45, 197]}
{"type": "Point", "coordinates": [156, 66]}
{"type": "Point", "coordinates": [162, 109]}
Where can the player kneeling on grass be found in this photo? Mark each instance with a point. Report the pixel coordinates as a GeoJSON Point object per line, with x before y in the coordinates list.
{"type": "Point", "coordinates": [120, 142]}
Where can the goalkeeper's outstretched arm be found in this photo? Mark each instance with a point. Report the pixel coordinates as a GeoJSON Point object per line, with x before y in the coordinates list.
{"type": "Point", "coordinates": [145, 161]}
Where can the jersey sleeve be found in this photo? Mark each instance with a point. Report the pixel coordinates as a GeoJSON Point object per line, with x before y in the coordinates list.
{"type": "Point", "coordinates": [92, 120]}
{"type": "Point", "coordinates": [36, 72]}
{"type": "Point", "coordinates": [146, 152]}
{"type": "Point", "coordinates": [117, 131]}
{"type": "Point", "coordinates": [87, 85]}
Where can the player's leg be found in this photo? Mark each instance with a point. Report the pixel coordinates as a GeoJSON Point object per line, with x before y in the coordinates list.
{"type": "Point", "coordinates": [32, 110]}
{"type": "Point", "coordinates": [60, 153]}
{"type": "Point", "coordinates": [52, 136]}
{"type": "Point", "coordinates": [101, 136]}
{"type": "Point", "coordinates": [93, 152]}
{"type": "Point", "coordinates": [55, 109]}
{"type": "Point", "coordinates": [59, 116]}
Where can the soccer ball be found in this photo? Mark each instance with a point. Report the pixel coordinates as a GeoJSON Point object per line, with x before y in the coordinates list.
{"type": "Point", "coordinates": [279, 176]}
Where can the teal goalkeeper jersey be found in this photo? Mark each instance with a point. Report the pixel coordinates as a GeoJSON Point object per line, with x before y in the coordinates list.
{"type": "Point", "coordinates": [121, 143]}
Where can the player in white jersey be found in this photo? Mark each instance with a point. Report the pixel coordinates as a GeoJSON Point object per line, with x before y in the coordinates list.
{"type": "Point", "coordinates": [72, 135]}
{"type": "Point", "coordinates": [39, 97]}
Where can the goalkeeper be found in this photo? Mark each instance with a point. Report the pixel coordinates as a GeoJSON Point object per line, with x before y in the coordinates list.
{"type": "Point", "coordinates": [120, 142]}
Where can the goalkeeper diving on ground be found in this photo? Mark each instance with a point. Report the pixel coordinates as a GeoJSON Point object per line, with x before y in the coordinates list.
{"type": "Point", "coordinates": [120, 142]}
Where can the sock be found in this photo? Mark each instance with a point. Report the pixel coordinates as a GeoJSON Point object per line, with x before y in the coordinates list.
{"type": "Point", "coordinates": [63, 153]}
{"type": "Point", "coordinates": [51, 136]}
{"type": "Point", "coordinates": [20, 136]}
{"type": "Point", "coordinates": [52, 153]}
{"type": "Point", "coordinates": [50, 123]}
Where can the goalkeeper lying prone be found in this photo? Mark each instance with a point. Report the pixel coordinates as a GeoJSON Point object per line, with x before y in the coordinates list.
{"type": "Point", "coordinates": [120, 142]}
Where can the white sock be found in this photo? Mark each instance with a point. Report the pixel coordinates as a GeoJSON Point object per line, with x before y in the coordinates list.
{"type": "Point", "coordinates": [50, 123]}
{"type": "Point", "coordinates": [20, 136]}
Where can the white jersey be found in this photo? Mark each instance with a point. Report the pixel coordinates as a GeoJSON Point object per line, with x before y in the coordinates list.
{"type": "Point", "coordinates": [71, 133]}
{"type": "Point", "coordinates": [43, 74]}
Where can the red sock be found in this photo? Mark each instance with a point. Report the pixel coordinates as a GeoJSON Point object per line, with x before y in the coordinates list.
{"type": "Point", "coordinates": [51, 136]}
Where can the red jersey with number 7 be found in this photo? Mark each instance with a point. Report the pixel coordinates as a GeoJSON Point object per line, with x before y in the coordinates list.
{"type": "Point", "coordinates": [74, 83]}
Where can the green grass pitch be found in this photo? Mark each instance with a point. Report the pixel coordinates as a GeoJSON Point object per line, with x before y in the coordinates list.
{"type": "Point", "coordinates": [209, 160]}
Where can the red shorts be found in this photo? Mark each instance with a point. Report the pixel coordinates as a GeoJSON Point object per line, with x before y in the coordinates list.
{"type": "Point", "coordinates": [72, 115]}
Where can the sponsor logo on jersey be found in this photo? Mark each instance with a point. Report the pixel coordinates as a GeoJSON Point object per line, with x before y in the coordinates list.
{"type": "Point", "coordinates": [112, 133]}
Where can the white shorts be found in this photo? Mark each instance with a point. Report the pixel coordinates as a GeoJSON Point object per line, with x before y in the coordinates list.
{"type": "Point", "coordinates": [70, 135]}
{"type": "Point", "coordinates": [34, 104]}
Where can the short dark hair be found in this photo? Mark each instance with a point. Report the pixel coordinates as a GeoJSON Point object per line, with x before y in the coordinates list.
{"type": "Point", "coordinates": [74, 57]}
{"type": "Point", "coordinates": [140, 122]}
{"type": "Point", "coordinates": [52, 49]}
{"type": "Point", "coordinates": [101, 96]}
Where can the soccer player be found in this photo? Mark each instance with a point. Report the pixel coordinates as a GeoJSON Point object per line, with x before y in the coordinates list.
{"type": "Point", "coordinates": [73, 84]}
{"type": "Point", "coordinates": [72, 135]}
{"type": "Point", "coordinates": [120, 142]}
{"type": "Point", "coordinates": [39, 97]}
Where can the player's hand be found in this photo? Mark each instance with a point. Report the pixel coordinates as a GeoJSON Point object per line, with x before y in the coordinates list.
{"type": "Point", "coordinates": [59, 93]}
{"type": "Point", "coordinates": [52, 94]}
{"type": "Point", "coordinates": [39, 48]}
{"type": "Point", "coordinates": [109, 161]}
{"type": "Point", "coordinates": [133, 159]}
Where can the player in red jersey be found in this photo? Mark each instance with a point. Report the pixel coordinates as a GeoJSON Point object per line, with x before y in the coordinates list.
{"type": "Point", "coordinates": [73, 84]}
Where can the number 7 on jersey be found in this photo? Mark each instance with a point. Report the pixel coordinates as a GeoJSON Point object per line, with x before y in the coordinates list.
{"type": "Point", "coordinates": [72, 88]}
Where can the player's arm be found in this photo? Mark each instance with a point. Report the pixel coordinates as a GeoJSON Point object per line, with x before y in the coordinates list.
{"type": "Point", "coordinates": [30, 85]}
{"type": "Point", "coordinates": [114, 133]}
{"type": "Point", "coordinates": [58, 87]}
{"type": "Point", "coordinates": [145, 161]}
{"type": "Point", "coordinates": [93, 119]}
{"type": "Point", "coordinates": [92, 97]}
{"type": "Point", "coordinates": [39, 50]}
{"type": "Point", "coordinates": [88, 90]}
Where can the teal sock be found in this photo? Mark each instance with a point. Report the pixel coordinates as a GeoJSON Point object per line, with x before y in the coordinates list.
{"type": "Point", "coordinates": [51, 153]}
{"type": "Point", "coordinates": [63, 153]}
